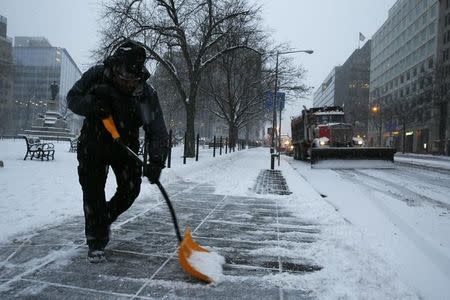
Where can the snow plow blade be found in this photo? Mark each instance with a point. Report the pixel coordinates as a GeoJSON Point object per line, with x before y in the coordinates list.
{"type": "Point", "coordinates": [352, 158]}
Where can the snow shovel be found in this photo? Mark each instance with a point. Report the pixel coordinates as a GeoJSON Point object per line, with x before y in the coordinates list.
{"type": "Point", "coordinates": [187, 245]}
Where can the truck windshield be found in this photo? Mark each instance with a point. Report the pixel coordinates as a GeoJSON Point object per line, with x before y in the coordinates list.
{"type": "Point", "coordinates": [323, 119]}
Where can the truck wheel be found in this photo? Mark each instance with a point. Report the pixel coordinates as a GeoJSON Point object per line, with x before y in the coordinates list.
{"type": "Point", "coordinates": [302, 154]}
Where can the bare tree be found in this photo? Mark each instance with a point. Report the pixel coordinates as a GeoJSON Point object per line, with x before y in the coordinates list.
{"type": "Point", "coordinates": [193, 28]}
{"type": "Point", "coordinates": [6, 74]}
{"type": "Point", "coordinates": [234, 85]}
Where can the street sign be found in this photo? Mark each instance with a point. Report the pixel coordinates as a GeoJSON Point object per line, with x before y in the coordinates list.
{"type": "Point", "coordinates": [391, 125]}
{"type": "Point", "coordinates": [268, 99]}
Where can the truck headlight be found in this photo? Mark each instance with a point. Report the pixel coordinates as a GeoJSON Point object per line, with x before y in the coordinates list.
{"type": "Point", "coordinates": [323, 141]}
{"type": "Point", "coordinates": [360, 142]}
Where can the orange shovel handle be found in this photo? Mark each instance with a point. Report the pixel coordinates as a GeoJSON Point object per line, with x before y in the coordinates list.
{"type": "Point", "coordinates": [111, 127]}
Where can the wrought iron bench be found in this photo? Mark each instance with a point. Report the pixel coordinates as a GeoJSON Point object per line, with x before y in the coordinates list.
{"type": "Point", "coordinates": [73, 145]}
{"type": "Point", "coordinates": [36, 149]}
{"type": "Point", "coordinates": [141, 147]}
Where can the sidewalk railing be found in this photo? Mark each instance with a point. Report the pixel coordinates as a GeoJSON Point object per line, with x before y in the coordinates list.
{"type": "Point", "coordinates": [220, 143]}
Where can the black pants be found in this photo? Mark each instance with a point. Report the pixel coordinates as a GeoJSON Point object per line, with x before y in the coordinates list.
{"type": "Point", "coordinates": [94, 162]}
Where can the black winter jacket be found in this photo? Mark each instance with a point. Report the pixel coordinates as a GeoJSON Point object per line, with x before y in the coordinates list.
{"type": "Point", "coordinates": [129, 113]}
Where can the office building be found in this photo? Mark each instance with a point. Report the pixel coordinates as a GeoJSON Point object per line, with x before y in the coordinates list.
{"type": "Point", "coordinates": [325, 93]}
{"type": "Point", "coordinates": [403, 58]}
{"type": "Point", "coordinates": [348, 86]}
{"type": "Point", "coordinates": [6, 79]}
{"type": "Point", "coordinates": [441, 135]}
{"type": "Point", "coordinates": [38, 64]}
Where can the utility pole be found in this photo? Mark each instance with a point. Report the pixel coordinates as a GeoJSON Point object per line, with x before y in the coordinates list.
{"type": "Point", "coordinates": [274, 116]}
{"type": "Point", "coordinates": [274, 111]}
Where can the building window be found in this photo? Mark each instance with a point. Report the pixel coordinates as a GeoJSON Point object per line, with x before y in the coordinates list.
{"type": "Point", "coordinates": [430, 63]}
{"type": "Point", "coordinates": [445, 54]}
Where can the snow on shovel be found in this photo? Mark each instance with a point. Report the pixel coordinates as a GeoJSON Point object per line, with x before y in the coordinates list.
{"type": "Point", "coordinates": [194, 259]}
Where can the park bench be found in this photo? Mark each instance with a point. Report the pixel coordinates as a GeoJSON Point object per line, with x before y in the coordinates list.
{"type": "Point", "coordinates": [36, 149]}
{"type": "Point", "coordinates": [141, 147]}
{"type": "Point", "coordinates": [73, 144]}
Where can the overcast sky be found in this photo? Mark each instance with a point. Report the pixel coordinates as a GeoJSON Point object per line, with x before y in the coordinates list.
{"type": "Point", "coordinates": [329, 27]}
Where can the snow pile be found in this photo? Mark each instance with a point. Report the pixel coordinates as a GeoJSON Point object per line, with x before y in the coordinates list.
{"type": "Point", "coordinates": [353, 164]}
{"type": "Point", "coordinates": [208, 263]}
{"type": "Point", "coordinates": [35, 194]}
{"type": "Point", "coordinates": [424, 161]}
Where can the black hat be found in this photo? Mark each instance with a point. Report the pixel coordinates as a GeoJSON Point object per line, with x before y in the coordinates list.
{"type": "Point", "coordinates": [131, 55]}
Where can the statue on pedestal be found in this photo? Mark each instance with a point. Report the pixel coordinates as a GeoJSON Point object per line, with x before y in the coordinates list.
{"type": "Point", "coordinates": [54, 89]}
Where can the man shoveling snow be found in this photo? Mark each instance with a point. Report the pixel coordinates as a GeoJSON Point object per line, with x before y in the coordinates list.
{"type": "Point", "coordinates": [117, 87]}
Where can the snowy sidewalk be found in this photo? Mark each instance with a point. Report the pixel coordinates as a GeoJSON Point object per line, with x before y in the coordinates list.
{"type": "Point", "coordinates": [426, 161]}
{"type": "Point", "coordinates": [51, 263]}
{"type": "Point", "coordinates": [280, 238]}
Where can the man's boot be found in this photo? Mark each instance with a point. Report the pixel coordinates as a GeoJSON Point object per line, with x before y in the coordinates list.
{"type": "Point", "coordinates": [96, 252]}
{"type": "Point", "coordinates": [96, 256]}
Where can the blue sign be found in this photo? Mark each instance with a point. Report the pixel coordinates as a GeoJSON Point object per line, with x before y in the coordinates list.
{"type": "Point", "coordinates": [268, 99]}
{"type": "Point", "coordinates": [390, 126]}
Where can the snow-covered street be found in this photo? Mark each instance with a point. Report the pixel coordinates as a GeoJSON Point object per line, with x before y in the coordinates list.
{"type": "Point", "coordinates": [352, 234]}
{"type": "Point", "coordinates": [404, 213]}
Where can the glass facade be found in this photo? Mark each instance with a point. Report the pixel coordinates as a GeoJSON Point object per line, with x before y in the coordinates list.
{"type": "Point", "coordinates": [6, 82]}
{"type": "Point", "coordinates": [404, 54]}
{"type": "Point", "coordinates": [324, 95]}
{"type": "Point", "coordinates": [35, 69]}
{"type": "Point", "coordinates": [404, 46]}
{"type": "Point", "coordinates": [36, 66]}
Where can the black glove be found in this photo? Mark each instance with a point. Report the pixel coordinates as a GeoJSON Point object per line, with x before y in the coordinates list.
{"type": "Point", "coordinates": [104, 96]}
{"type": "Point", "coordinates": [152, 171]}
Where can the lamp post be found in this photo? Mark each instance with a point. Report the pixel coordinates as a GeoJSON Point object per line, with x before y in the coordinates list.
{"type": "Point", "coordinates": [377, 109]}
{"type": "Point", "coordinates": [274, 116]}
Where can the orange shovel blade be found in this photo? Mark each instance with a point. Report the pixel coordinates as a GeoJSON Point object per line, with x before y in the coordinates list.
{"type": "Point", "coordinates": [187, 246]}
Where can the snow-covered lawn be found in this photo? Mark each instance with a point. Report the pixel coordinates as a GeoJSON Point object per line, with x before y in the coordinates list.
{"type": "Point", "coordinates": [35, 193]}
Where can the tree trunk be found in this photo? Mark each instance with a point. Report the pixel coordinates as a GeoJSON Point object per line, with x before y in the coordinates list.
{"type": "Point", "coordinates": [190, 129]}
{"type": "Point", "coordinates": [404, 137]}
{"type": "Point", "coordinates": [442, 127]}
{"type": "Point", "coordinates": [247, 133]}
{"type": "Point", "coordinates": [190, 118]}
{"type": "Point", "coordinates": [232, 135]}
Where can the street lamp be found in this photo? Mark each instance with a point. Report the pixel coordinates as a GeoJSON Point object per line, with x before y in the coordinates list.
{"type": "Point", "coordinates": [377, 109]}
{"type": "Point", "coordinates": [274, 117]}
